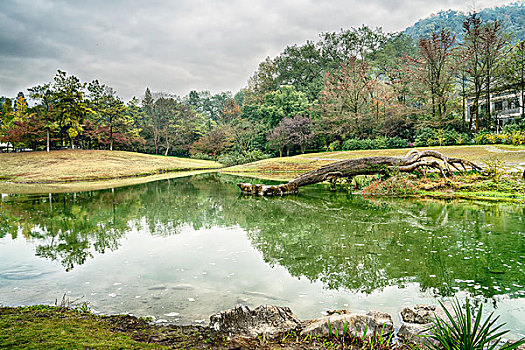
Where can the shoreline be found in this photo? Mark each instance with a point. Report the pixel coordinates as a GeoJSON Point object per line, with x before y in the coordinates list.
{"type": "Point", "coordinates": [28, 188]}
{"type": "Point", "coordinates": [265, 327]}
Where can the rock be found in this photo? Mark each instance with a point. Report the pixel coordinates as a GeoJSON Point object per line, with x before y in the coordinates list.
{"type": "Point", "coordinates": [158, 287]}
{"type": "Point", "coordinates": [414, 333]}
{"type": "Point", "coordinates": [267, 320]}
{"type": "Point", "coordinates": [373, 323]}
{"type": "Point", "coordinates": [419, 320]}
{"type": "Point", "coordinates": [337, 312]}
{"type": "Point", "coordinates": [423, 314]}
{"type": "Point", "coordinates": [420, 314]}
{"type": "Point", "coordinates": [182, 286]}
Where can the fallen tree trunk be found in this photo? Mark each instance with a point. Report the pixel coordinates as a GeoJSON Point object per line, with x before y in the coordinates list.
{"type": "Point", "coordinates": [413, 160]}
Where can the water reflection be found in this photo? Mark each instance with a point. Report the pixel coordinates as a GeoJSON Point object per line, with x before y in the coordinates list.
{"type": "Point", "coordinates": [344, 241]}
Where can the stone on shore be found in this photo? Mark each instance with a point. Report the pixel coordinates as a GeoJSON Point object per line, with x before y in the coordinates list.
{"type": "Point", "coordinates": [267, 320]}
{"type": "Point", "coordinates": [356, 324]}
{"type": "Point", "coordinates": [418, 322]}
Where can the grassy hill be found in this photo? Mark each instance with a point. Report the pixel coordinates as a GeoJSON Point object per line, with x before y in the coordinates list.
{"type": "Point", "coordinates": [286, 168]}
{"type": "Point", "coordinates": [81, 165]}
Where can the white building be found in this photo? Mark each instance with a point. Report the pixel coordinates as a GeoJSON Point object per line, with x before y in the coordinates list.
{"type": "Point", "coordinates": [504, 106]}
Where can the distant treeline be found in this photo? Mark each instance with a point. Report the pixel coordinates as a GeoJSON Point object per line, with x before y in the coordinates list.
{"type": "Point", "coordinates": [350, 89]}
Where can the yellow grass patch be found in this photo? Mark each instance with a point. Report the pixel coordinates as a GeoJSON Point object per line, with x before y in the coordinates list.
{"type": "Point", "coordinates": [88, 165]}
{"type": "Point", "coordinates": [512, 156]}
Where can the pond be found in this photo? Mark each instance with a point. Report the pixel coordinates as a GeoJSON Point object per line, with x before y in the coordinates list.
{"type": "Point", "coordinates": [183, 249]}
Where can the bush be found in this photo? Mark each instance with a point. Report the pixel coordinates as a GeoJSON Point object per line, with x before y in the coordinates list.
{"type": "Point", "coordinates": [335, 146]}
{"type": "Point", "coordinates": [230, 159]}
{"type": "Point", "coordinates": [467, 330]}
{"type": "Point", "coordinates": [425, 137]}
{"type": "Point", "coordinates": [397, 142]}
{"type": "Point", "coordinates": [379, 143]}
{"type": "Point", "coordinates": [368, 144]}
{"type": "Point", "coordinates": [396, 185]}
{"type": "Point", "coordinates": [449, 137]}
{"type": "Point", "coordinates": [202, 156]}
{"type": "Point", "coordinates": [518, 138]}
{"type": "Point", "coordinates": [481, 138]}
{"type": "Point", "coordinates": [462, 139]}
{"type": "Point", "coordinates": [351, 145]}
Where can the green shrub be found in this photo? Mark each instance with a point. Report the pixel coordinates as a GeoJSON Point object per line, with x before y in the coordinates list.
{"type": "Point", "coordinates": [425, 137]}
{"type": "Point", "coordinates": [335, 146]}
{"type": "Point", "coordinates": [351, 145]}
{"type": "Point", "coordinates": [380, 143]}
{"type": "Point", "coordinates": [481, 138]}
{"type": "Point", "coordinates": [397, 142]}
{"type": "Point", "coordinates": [449, 137]}
{"type": "Point", "coordinates": [466, 330]}
{"type": "Point", "coordinates": [230, 159]}
{"type": "Point", "coordinates": [202, 156]}
{"type": "Point", "coordinates": [518, 138]}
{"type": "Point", "coordinates": [368, 144]}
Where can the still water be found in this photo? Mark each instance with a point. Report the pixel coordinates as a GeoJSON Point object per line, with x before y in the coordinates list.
{"type": "Point", "coordinates": [182, 249]}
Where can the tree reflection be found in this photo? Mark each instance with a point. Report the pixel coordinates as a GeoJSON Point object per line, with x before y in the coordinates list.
{"type": "Point", "coordinates": [344, 241]}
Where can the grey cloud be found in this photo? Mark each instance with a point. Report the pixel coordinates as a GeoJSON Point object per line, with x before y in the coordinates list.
{"type": "Point", "coordinates": [176, 46]}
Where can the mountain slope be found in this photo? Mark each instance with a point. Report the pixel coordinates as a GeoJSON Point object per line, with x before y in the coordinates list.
{"type": "Point", "coordinates": [512, 18]}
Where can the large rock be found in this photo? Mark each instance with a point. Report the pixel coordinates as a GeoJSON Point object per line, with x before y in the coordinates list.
{"type": "Point", "coordinates": [418, 322]}
{"type": "Point", "coordinates": [415, 333]}
{"type": "Point", "coordinates": [423, 314]}
{"type": "Point", "coordinates": [267, 320]}
{"type": "Point", "coordinates": [357, 324]}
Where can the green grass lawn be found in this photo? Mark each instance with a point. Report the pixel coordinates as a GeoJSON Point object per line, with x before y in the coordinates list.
{"type": "Point", "coordinates": [81, 165]}
{"type": "Point", "coordinates": [512, 156]}
{"type": "Point", "coordinates": [42, 327]}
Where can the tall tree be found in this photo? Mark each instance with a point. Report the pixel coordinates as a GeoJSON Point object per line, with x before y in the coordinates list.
{"type": "Point", "coordinates": [344, 102]}
{"type": "Point", "coordinates": [474, 63]}
{"type": "Point", "coordinates": [109, 109]}
{"type": "Point", "coordinates": [152, 122]}
{"type": "Point", "coordinates": [70, 105]}
{"type": "Point", "coordinates": [45, 96]}
{"type": "Point", "coordinates": [6, 121]}
{"type": "Point", "coordinates": [515, 72]}
{"type": "Point", "coordinates": [435, 69]}
{"type": "Point", "coordinates": [493, 45]}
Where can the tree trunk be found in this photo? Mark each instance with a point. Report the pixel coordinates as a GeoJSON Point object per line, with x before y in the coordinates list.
{"type": "Point", "coordinates": [363, 166]}
{"type": "Point", "coordinates": [111, 137]}
{"type": "Point", "coordinates": [47, 141]}
{"type": "Point", "coordinates": [167, 148]}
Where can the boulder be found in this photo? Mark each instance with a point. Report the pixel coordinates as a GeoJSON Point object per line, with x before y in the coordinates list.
{"type": "Point", "coordinates": [267, 320]}
{"type": "Point", "coordinates": [418, 322]}
{"type": "Point", "coordinates": [423, 314]}
{"type": "Point", "coordinates": [419, 314]}
{"type": "Point", "coordinates": [356, 324]}
{"type": "Point", "coordinates": [414, 333]}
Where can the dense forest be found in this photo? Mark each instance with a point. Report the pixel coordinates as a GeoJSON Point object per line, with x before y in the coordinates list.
{"type": "Point", "coordinates": [511, 18]}
{"type": "Point", "coordinates": [358, 88]}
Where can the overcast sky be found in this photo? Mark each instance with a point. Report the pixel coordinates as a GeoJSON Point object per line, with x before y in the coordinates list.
{"type": "Point", "coordinates": [179, 45]}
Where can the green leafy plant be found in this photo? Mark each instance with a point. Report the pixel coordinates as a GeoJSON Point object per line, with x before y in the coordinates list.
{"type": "Point", "coordinates": [84, 307]}
{"type": "Point", "coordinates": [466, 330]}
{"type": "Point", "coordinates": [494, 168]}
